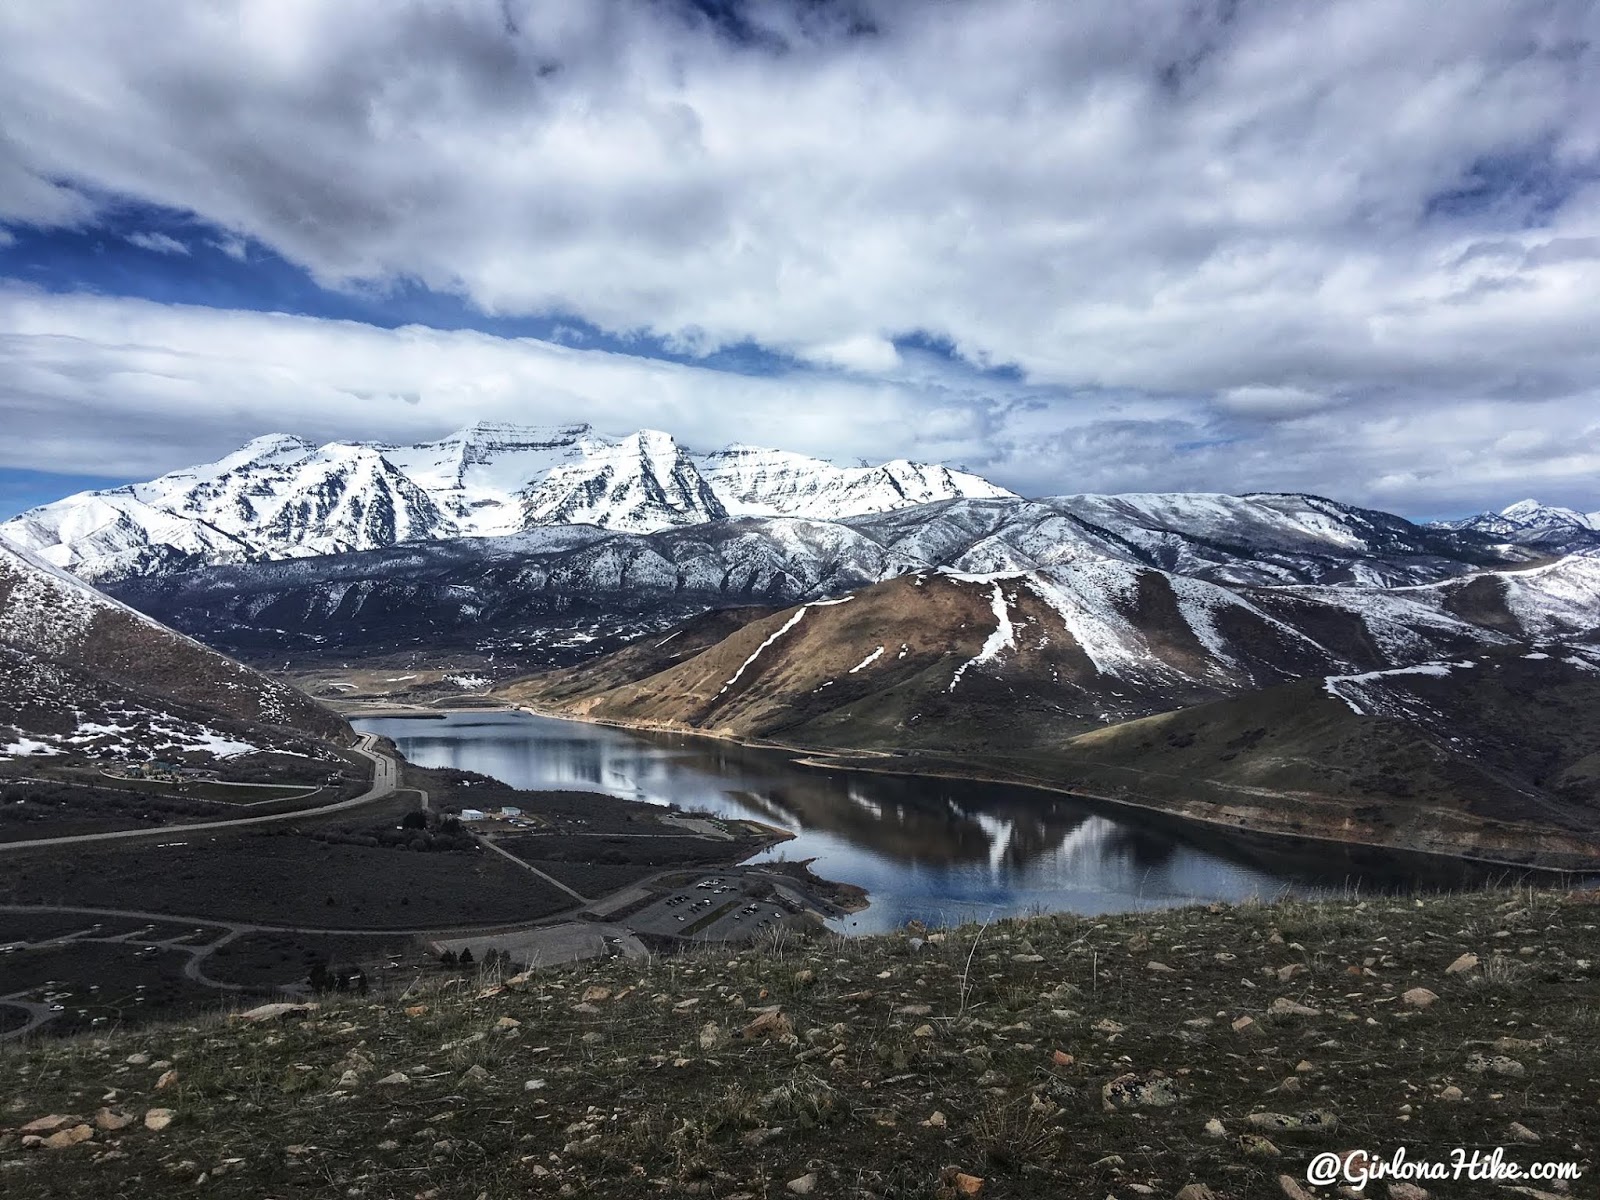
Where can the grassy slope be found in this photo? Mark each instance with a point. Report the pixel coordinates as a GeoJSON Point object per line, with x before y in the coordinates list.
{"type": "Point", "coordinates": [649, 1087]}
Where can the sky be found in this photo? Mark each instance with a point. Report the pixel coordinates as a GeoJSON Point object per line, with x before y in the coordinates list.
{"type": "Point", "coordinates": [1349, 247]}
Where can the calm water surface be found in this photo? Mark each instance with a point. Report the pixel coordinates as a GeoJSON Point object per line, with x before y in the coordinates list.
{"type": "Point", "coordinates": [937, 850]}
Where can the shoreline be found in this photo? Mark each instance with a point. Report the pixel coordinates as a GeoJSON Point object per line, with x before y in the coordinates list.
{"type": "Point", "coordinates": [848, 760]}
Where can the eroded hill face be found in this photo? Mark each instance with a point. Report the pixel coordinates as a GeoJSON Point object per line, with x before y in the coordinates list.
{"type": "Point", "coordinates": [82, 672]}
{"type": "Point", "coordinates": [1458, 716]}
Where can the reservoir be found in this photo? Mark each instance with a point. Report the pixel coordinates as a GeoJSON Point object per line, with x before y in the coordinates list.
{"type": "Point", "coordinates": [936, 850]}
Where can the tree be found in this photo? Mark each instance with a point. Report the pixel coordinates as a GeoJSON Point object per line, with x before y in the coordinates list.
{"type": "Point", "coordinates": [465, 958]}
{"type": "Point", "coordinates": [448, 958]}
{"type": "Point", "coordinates": [414, 820]}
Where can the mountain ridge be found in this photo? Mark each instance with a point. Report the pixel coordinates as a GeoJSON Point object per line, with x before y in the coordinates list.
{"type": "Point", "coordinates": [282, 496]}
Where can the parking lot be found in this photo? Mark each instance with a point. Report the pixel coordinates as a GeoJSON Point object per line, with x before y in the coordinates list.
{"type": "Point", "coordinates": [715, 908]}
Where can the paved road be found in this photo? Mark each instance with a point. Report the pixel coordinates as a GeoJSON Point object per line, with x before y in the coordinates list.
{"type": "Point", "coordinates": [385, 776]}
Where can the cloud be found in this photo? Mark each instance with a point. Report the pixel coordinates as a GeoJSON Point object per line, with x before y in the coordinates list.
{"type": "Point", "coordinates": [158, 243]}
{"type": "Point", "coordinates": [1106, 194]}
{"type": "Point", "coordinates": [133, 387]}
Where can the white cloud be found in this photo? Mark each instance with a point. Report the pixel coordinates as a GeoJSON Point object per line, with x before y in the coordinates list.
{"type": "Point", "coordinates": [160, 243]}
{"type": "Point", "coordinates": [132, 387]}
{"type": "Point", "coordinates": [1340, 245]}
{"type": "Point", "coordinates": [1107, 193]}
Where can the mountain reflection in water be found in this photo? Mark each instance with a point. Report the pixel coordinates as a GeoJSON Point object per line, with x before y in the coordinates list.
{"type": "Point", "coordinates": [938, 850]}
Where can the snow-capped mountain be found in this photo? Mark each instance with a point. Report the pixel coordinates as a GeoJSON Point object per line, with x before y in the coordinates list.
{"type": "Point", "coordinates": [1530, 523]}
{"type": "Point", "coordinates": [281, 496]}
{"type": "Point", "coordinates": [753, 482]}
{"type": "Point", "coordinates": [80, 671]}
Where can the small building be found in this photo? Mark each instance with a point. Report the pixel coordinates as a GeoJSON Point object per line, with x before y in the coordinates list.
{"type": "Point", "coordinates": [508, 811]}
{"type": "Point", "coordinates": [472, 814]}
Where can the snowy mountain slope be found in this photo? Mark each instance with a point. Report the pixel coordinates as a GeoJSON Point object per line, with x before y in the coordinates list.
{"type": "Point", "coordinates": [1546, 527]}
{"type": "Point", "coordinates": [280, 496]}
{"type": "Point", "coordinates": [756, 482]}
{"type": "Point", "coordinates": [80, 669]}
{"type": "Point", "coordinates": [1092, 640]}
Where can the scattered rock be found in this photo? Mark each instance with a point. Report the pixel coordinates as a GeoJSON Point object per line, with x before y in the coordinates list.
{"type": "Point", "coordinates": [110, 1120]}
{"type": "Point", "coordinates": [1216, 1129]}
{"type": "Point", "coordinates": [1499, 1064]}
{"type": "Point", "coordinates": [397, 1079]}
{"type": "Point", "coordinates": [936, 1121]}
{"type": "Point", "coordinates": [168, 1078]}
{"type": "Point", "coordinates": [1257, 1146]}
{"type": "Point", "coordinates": [1289, 972]}
{"type": "Point", "coordinates": [922, 1031]}
{"type": "Point", "coordinates": [967, 1185]}
{"type": "Point", "coordinates": [417, 1010]}
{"type": "Point", "coordinates": [534, 1085]}
{"type": "Point", "coordinates": [275, 1012]}
{"type": "Point", "coordinates": [1465, 963]}
{"type": "Point", "coordinates": [1406, 1191]}
{"type": "Point", "coordinates": [48, 1124]}
{"type": "Point", "coordinates": [770, 1024]}
{"type": "Point", "coordinates": [1154, 1090]}
{"type": "Point", "coordinates": [1061, 1058]}
{"type": "Point", "coordinates": [70, 1136]}
{"type": "Point", "coordinates": [158, 1119]}
{"type": "Point", "coordinates": [712, 1036]}
{"type": "Point", "coordinates": [1195, 1191]}
{"type": "Point", "coordinates": [595, 995]}
{"type": "Point", "coordinates": [1160, 968]}
{"type": "Point", "coordinates": [1285, 1007]}
{"type": "Point", "coordinates": [1452, 1093]}
{"type": "Point", "coordinates": [804, 1185]}
{"type": "Point", "coordinates": [1020, 958]}
{"type": "Point", "coordinates": [805, 978]}
{"type": "Point", "coordinates": [1290, 1187]}
{"type": "Point", "coordinates": [1245, 1025]}
{"type": "Point", "coordinates": [1418, 997]}
{"type": "Point", "coordinates": [1522, 1133]}
{"type": "Point", "coordinates": [474, 1074]}
{"type": "Point", "coordinates": [507, 1023]}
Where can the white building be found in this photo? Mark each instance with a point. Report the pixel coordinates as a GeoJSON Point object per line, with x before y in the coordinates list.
{"type": "Point", "coordinates": [472, 814]}
{"type": "Point", "coordinates": [508, 811]}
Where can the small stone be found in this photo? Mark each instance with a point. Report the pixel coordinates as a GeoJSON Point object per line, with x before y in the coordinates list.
{"type": "Point", "coordinates": [1290, 1187]}
{"type": "Point", "coordinates": [1406, 1191]}
{"type": "Point", "coordinates": [1195, 1191]}
{"type": "Point", "coordinates": [1284, 1007]}
{"type": "Point", "coordinates": [168, 1078]}
{"type": "Point", "coordinates": [595, 995]}
{"type": "Point", "coordinates": [1216, 1129]}
{"type": "Point", "coordinates": [770, 1024]}
{"type": "Point", "coordinates": [1159, 968]}
{"type": "Point", "coordinates": [1522, 1133]}
{"type": "Point", "coordinates": [48, 1124]}
{"type": "Point", "coordinates": [110, 1120]}
{"type": "Point", "coordinates": [712, 1036]}
{"type": "Point", "coordinates": [936, 1121]}
{"type": "Point", "coordinates": [1131, 1090]}
{"type": "Point", "coordinates": [1257, 1146]}
{"type": "Point", "coordinates": [275, 1012]}
{"type": "Point", "coordinates": [1244, 1025]}
{"type": "Point", "coordinates": [1061, 1058]}
{"type": "Point", "coordinates": [474, 1074]}
{"type": "Point", "coordinates": [922, 1031]}
{"type": "Point", "coordinates": [70, 1136]}
{"type": "Point", "coordinates": [158, 1119]}
{"type": "Point", "coordinates": [417, 1010]}
{"type": "Point", "coordinates": [534, 1085]}
{"type": "Point", "coordinates": [1289, 972]}
{"type": "Point", "coordinates": [1452, 1093]}
{"type": "Point", "coordinates": [805, 978]}
{"type": "Point", "coordinates": [507, 1023]}
{"type": "Point", "coordinates": [396, 1079]}
{"type": "Point", "coordinates": [1019, 958]}
{"type": "Point", "coordinates": [1465, 963]}
{"type": "Point", "coordinates": [804, 1185]}
{"type": "Point", "coordinates": [968, 1185]}
{"type": "Point", "coordinates": [349, 1079]}
{"type": "Point", "coordinates": [1418, 997]}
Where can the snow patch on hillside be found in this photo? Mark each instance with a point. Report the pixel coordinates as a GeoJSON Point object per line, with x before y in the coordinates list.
{"type": "Point", "coordinates": [787, 625]}
{"type": "Point", "coordinates": [1003, 637]}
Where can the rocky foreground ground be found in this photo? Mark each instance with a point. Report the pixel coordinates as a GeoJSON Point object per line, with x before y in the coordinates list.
{"type": "Point", "coordinates": [1204, 1052]}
